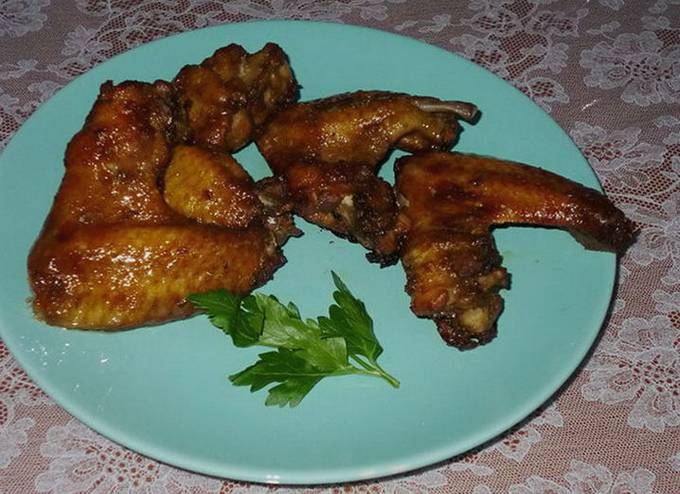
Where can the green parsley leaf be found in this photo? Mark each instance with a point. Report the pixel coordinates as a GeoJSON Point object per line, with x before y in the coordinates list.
{"type": "Point", "coordinates": [306, 350]}
{"type": "Point", "coordinates": [238, 317]}
{"type": "Point", "coordinates": [292, 369]}
{"type": "Point", "coordinates": [350, 320]}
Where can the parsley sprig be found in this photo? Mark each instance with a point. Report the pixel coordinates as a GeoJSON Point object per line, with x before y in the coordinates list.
{"type": "Point", "coordinates": [343, 343]}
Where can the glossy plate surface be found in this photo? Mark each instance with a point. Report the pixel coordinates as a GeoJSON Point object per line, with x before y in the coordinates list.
{"type": "Point", "coordinates": [163, 391]}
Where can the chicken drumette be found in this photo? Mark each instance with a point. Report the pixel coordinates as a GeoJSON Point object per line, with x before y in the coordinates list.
{"type": "Point", "coordinates": [329, 152]}
{"type": "Point", "coordinates": [224, 101]}
{"type": "Point", "coordinates": [114, 254]}
{"type": "Point", "coordinates": [450, 201]}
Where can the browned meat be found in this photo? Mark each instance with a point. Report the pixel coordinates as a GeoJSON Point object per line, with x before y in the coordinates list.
{"type": "Point", "coordinates": [112, 254]}
{"type": "Point", "coordinates": [226, 100]}
{"type": "Point", "coordinates": [351, 201]}
{"type": "Point", "coordinates": [450, 201]}
{"type": "Point", "coordinates": [329, 151]}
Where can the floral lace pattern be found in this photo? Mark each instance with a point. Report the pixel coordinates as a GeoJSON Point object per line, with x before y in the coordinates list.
{"type": "Point", "coordinates": [13, 432]}
{"type": "Point", "coordinates": [18, 17]}
{"type": "Point", "coordinates": [82, 462]}
{"type": "Point", "coordinates": [516, 445]}
{"type": "Point", "coordinates": [583, 477]}
{"type": "Point", "coordinates": [608, 71]}
{"type": "Point", "coordinates": [638, 363]}
{"type": "Point", "coordinates": [16, 385]}
{"type": "Point", "coordinates": [619, 157]}
{"type": "Point", "coordinates": [523, 42]}
{"type": "Point", "coordinates": [639, 63]}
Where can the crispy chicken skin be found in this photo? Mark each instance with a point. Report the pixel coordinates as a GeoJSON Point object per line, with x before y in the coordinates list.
{"type": "Point", "coordinates": [210, 187]}
{"type": "Point", "coordinates": [225, 101]}
{"type": "Point", "coordinates": [113, 163]}
{"type": "Point", "coordinates": [121, 276]}
{"type": "Point", "coordinates": [450, 201]}
{"type": "Point", "coordinates": [112, 253]}
{"type": "Point", "coordinates": [360, 128]}
{"type": "Point", "coordinates": [329, 152]}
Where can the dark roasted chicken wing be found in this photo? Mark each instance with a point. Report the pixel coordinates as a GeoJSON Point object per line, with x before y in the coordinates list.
{"type": "Point", "coordinates": [225, 100]}
{"type": "Point", "coordinates": [360, 128]}
{"type": "Point", "coordinates": [450, 202]}
{"type": "Point", "coordinates": [113, 254]}
{"type": "Point", "coordinates": [329, 152]}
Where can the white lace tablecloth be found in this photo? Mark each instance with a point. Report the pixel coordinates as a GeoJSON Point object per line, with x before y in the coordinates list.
{"type": "Point", "coordinates": [608, 71]}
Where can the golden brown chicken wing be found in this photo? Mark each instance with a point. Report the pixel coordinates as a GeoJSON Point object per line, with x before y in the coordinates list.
{"type": "Point", "coordinates": [113, 164]}
{"type": "Point", "coordinates": [121, 276]}
{"type": "Point", "coordinates": [226, 99]}
{"type": "Point", "coordinates": [210, 187]}
{"type": "Point", "coordinates": [450, 201]}
{"type": "Point", "coordinates": [329, 151]}
{"type": "Point", "coordinates": [112, 253]}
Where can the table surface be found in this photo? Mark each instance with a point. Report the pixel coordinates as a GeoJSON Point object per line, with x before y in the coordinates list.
{"type": "Point", "coordinates": [608, 71]}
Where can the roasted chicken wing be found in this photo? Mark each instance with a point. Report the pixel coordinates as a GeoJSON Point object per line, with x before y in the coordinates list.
{"type": "Point", "coordinates": [210, 187]}
{"type": "Point", "coordinates": [329, 152]}
{"type": "Point", "coordinates": [113, 254]}
{"type": "Point", "coordinates": [450, 202]}
{"type": "Point", "coordinates": [226, 99]}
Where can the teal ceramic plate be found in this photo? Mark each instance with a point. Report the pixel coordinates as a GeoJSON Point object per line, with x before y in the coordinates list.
{"type": "Point", "coordinates": [163, 391]}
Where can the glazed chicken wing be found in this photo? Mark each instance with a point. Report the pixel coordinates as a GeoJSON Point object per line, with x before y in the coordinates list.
{"type": "Point", "coordinates": [329, 152]}
{"type": "Point", "coordinates": [113, 254]}
{"type": "Point", "coordinates": [226, 99]}
{"type": "Point", "coordinates": [450, 202]}
{"type": "Point", "coordinates": [210, 187]}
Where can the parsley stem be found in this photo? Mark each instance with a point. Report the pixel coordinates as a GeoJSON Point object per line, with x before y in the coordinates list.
{"type": "Point", "coordinates": [394, 382]}
{"type": "Point", "coordinates": [374, 369]}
